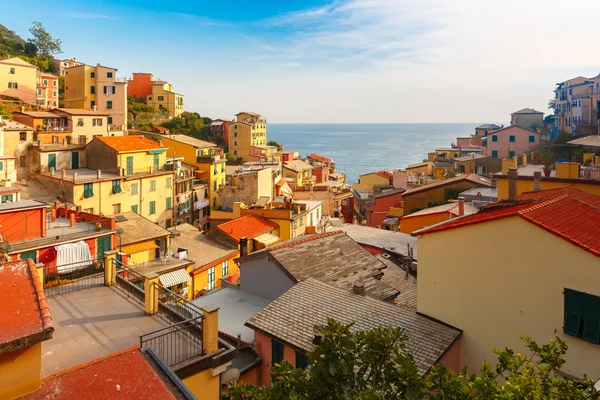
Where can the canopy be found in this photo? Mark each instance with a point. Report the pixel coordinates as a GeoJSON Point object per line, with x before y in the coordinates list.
{"type": "Point", "coordinates": [139, 247]}
{"type": "Point", "coordinates": [267, 239]}
{"type": "Point", "coordinates": [174, 278]}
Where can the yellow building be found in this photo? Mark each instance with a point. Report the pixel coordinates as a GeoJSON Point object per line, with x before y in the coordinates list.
{"type": "Point", "coordinates": [249, 129]}
{"type": "Point", "coordinates": [421, 169]}
{"type": "Point", "coordinates": [18, 79]}
{"type": "Point", "coordinates": [120, 174]}
{"type": "Point", "coordinates": [163, 97]}
{"type": "Point", "coordinates": [485, 129]}
{"type": "Point", "coordinates": [433, 215]}
{"type": "Point", "coordinates": [531, 268]}
{"type": "Point", "coordinates": [366, 182]}
{"type": "Point", "coordinates": [299, 171]}
{"type": "Point", "coordinates": [97, 88]}
{"type": "Point", "coordinates": [206, 155]}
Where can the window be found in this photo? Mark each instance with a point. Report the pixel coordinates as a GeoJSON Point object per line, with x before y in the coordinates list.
{"type": "Point", "coordinates": [235, 152]}
{"type": "Point", "coordinates": [511, 138]}
{"type": "Point", "coordinates": [92, 104]}
{"type": "Point", "coordinates": [495, 153]}
{"type": "Point", "coordinates": [161, 98]}
{"type": "Point", "coordinates": [134, 208]}
{"type": "Point", "coordinates": [39, 92]}
{"type": "Point", "coordinates": [110, 120]}
{"type": "Point", "coordinates": [134, 188]}
{"type": "Point", "coordinates": [29, 254]}
{"type": "Point", "coordinates": [152, 185]}
{"type": "Point", "coordinates": [152, 207]}
{"type": "Point", "coordinates": [582, 315]}
{"type": "Point", "coordinates": [168, 205]}
{"type": "Point", "coordinates": [96, 121]}
{"type": "Point", "coordinates": [494, 138]}
{"type": "Point", "coordinates": [301, 360]}
{"type": "Point", "coordinates": [511, 154]}
{"type": "Point", "coordinates": [79, 121]}
{"type": "Point", "coordinates": [155, 161]}
{"type": "Point", "coordinates": [109, 74]}
{"type": "Point", "coordinates": [215, 185]}
{"type": "Point", "coordinates": [531, 139]}
{"type": "Point", "coordinates": [149, 97]}
{"type": "Point", "coordinates": [13, 85]}
{"type": "Point", "coordinates": [169, 183]}
{"type": "Point", "coordinates": [88, 190]}
{"type": "Point", "coordinates": [92, 74]}
{"type": "Point", "coordinates": [45, 82]}
{"type": "Point", "coordinates": [7, 198]}
{"type": "Point", "coordinates": [1, 165]}
{"type": "Point", "coordinates": [205, 193]}
{"type": "Point", "coordinates": [276, 351]}
{"type": "Point", "coordinates": [22, 161]}
{"type": "Point", "coordinates": [116, 186]}
{"type": "Point", "coordinates": [54, 93]}
{"type": "Point", "coordinates": [109, 105]}
{"type": "Point", "coordinates": [92, 89]}
{"type": "Point", "coordinates": [168, 223]}
{"type": "Point", "coordinates": [234, 134]}
{"type": "Point", "coordinates": [54, 83]}
{"type": "Point", "coordinates": [225, 268]}
{"type": "Point", "coordinates": [294, 225]}
{"type": "Point", "coordinates": [214, 201]}
{"type": "Point", "coordinates": [12, 71]}
{"type": "Point", "coordinates": [22, 136]}
{"type": "Point", "coordinates": [210, 284]}
{"type": "Point", "coordinates": [235, 143]}
{"type": "Point", "coordinates": [116, 208]}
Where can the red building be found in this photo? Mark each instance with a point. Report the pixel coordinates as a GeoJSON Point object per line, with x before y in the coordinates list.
{"type": "Point", "coordinates": [219, 128]}
{"type": "Point", "coordinates": [378, 206]}
{"type": "Point", "coordinates": [29, 230]}
{"type": "Point", "coordinates": [140, 85]}
{"type": "Point", "coordinates": [348, 209]}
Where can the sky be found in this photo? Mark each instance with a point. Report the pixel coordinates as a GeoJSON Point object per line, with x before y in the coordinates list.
{"type": "Point", "coordinates": [359, 61]}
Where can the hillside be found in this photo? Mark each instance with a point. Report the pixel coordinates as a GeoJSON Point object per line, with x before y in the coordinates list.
{"type": "Point", "coordinates": [13, 45]}
{"type": "Point", "coordinates": [10, 42]}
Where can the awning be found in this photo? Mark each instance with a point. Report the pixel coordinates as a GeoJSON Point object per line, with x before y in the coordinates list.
{"type": "Point", "coordinates": [138, 247]}
{"type": "Point", "coordinates": [174, 278]}
{"type": "Point", "coordinates": [267, 239]}
{"type": "Point", "coordinates": [390, 221]}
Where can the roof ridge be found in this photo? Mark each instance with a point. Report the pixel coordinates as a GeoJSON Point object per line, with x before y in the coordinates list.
{"type": "Point", "coordinates": [39, 292]}
{"type": "Point", "coordinates": [543, 204]}
{"type": "Point", "coordinates": [310, 239]}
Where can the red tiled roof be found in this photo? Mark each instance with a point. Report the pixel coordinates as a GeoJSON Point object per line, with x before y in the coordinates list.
{"type": "Point", "coordinates": [248, 226]}
{"type": "Point", "coordinates": [569, 213]}
{"type": "Point", "coordinates": [161, 128]}
{"type": "Point", "coordinates": [319, 158]}
{"type": "Point", "coordinates": [129, 143]}
{"type": "Point", "coordinates": [474, 178]}
{"type": "Point", "coordinates": [24, 315]}
{"type": "Point", "coordinates": [122, 375]}
{"type": "Point", "coordinates": [385, 174]}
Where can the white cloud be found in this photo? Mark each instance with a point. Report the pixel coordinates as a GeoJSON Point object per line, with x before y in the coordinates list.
{"type": "Point", "coordinates": [85, 15]}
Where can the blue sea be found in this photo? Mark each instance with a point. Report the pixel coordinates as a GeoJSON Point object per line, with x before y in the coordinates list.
{"type": "Point", "coordinates": [361, 148]}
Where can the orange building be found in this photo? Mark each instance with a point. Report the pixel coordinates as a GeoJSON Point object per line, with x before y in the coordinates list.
{"type": "Point", "coordinates": [140, 85]}
{"type": "Point", "coordinates": [47, 90]}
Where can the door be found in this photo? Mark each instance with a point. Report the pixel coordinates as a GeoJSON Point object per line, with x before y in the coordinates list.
{"type": "Point", "coordinates": [102, 246]}
{"type": "Point", "coordinates": [130, 165]}
{"type": "Point", "coordinates": [29, 254]}
{"type": "Point", "coordinates": [51, 161]}
{"type": "Point", "coordinates": [75, 160]}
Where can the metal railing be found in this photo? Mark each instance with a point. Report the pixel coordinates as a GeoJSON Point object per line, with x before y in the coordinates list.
{"type": "Point", "coordinates": [130, 283]}
{"type": "Point", "coordinates": [173, 308]}
{"type": "Point", "coordinates": [176, 344]}
{"type": "Point", "coordinates": [75, 276]}
{"type": "Point", "coordinates": [51, 234]}
{"type": "Point", "coordinates": [591, 173]}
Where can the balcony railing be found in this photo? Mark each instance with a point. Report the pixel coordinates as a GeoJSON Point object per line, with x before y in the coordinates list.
{"type": "Point", "coordinates": [210, 158]}
{"type": "Point", "coordinates": [591, 173]}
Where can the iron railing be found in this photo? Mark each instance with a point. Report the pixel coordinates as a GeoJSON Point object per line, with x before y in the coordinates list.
{"type": "Point", "coordinates": [176, 344]}
{"type": "Point", "coordinates": [592, 173]}
{"type": "Point", "coordinates": [130, 283]}
{"type": "Point", "coordinates": [173, 308]}
{"type": "Point", "coordinates": [75, 276]}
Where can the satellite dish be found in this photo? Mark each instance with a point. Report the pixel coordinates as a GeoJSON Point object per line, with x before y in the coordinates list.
{"type": "Point", "coordinates": [231, 376]}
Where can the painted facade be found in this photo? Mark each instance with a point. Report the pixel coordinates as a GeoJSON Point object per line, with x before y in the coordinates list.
{"type": "Point", "coordinates": [510, 141]}
{"type": "Point", "coordinates": [248, 129]}
{"type": "Point", "coordinates": [66, 63]}
{"type": "Point", "coordinates": [47, 90]}
{"type": "Point", "coordinates": [19, 79]}
{"type": "Point", "coordinates": [163, 97]}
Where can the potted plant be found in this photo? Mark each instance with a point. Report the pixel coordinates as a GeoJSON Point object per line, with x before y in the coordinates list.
{"type": "Point", "coordinates": [548, 161]}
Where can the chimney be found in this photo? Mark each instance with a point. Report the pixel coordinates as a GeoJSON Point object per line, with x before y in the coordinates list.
{"type": "Point", "coordinates": [72, 219]}
{"type": "Point", "coordinates": [359, 288]}
{"type": "Point", "coordinates": [99, 173]}
{"type": "Point", "coordinates": [53, 215]}
{"type": "Point", "coordinates": [243, 247]}
{"type": "Point", "coordinates": [461, 206]}
{"type": "Point", "coordinates": [95, 108]}
{"type": "Point", "coordinates": [537, 181]}
{"type": "Point", "coordinates": [512, 184]}
{"type": "Point", "coordinates": [493, 182]}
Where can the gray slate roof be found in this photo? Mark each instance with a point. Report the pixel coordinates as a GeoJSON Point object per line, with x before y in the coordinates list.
{"type": "Point", "coordinates": [293, 316]}
{"type": "Point", "coordinates": [138, 229]}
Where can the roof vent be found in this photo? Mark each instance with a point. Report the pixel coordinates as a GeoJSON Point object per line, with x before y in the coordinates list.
{"type": "Point", "coordinates": [121, 218]}
{"type": "Point", "coordinates": [385, 255]}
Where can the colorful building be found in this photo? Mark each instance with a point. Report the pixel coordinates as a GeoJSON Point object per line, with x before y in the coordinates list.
{"type": "Point", "coordinates": [205, 155]}
{"type": "Point", "coordinates": [190, 194]}
{"type": "Point", "coordinates": [264, 154]}
{"type": "Point", "coordinates": [527, 118]}
{"type": "Point", "coordinates": [64, 64]}
{"type": "Point", "coordinates": [437, 193]}
{"type": "Point", "coordinates": [47, 90]}
{"type": "Point", "coordinates": [377, 208]}
{"type": "Point", "coordinates": [164, 98]}
{"type": "Point", "coordinates": [510, 141]}
{"type": "Point", "coordinates": [366, 182]}
{"type": "Point", "coordinates": [220, 128]}
{"type": "Point", "coordinates": [576, 105]}
{"type": "Point", "coordinates": [483, 130]}
{"type": "Point", "coordinates": [531, 291]}
{"type": "Point", "coordinates": [247, 130]}
{"type": "Point", "coordinates": [19, 79]}
{"type": "Point", "coordinates": [258, 233]}
{"type": "Point", "coordinates": [15, 141]}
{"type": "Point", "coordinates": [97, 88]}
{"type": "Point", "coordinates": [298, 173]}
{"type": "Point", "coordinates": [435, 215]}
{"type": "Point", "coordinates": [309, 304]}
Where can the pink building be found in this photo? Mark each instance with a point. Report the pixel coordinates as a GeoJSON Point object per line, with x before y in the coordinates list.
{"type": "Point", "coordinates": [378, 207]}
{"type": "Point", "coordinates": [509, 142]}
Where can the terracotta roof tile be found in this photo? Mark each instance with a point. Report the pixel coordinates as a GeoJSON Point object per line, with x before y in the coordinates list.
{"type": "Point", "coordinates": [125, 374]}
{"type": "Point", "coordinates": [24, 315]}
{"type": "Point", "coordinates": [569, 213]}
{"type": "Point", "coordinates": [248, 226]}
{"type": "Point", "coordinates": [319, 158]}
{"type": "Point", "coordinates": [292, 318]}
{"type": "Point", "coordinates": [129, 143]}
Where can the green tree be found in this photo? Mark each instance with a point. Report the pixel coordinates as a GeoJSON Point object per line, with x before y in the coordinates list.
{"type": "Point", "coordinates": [43, 41]}
{"type": "Point", "coordinates": [551, 104]}
{"type": "Point", "coordinates": [274, 143]}
{"type": "Point", "coordinates": [377, 365]}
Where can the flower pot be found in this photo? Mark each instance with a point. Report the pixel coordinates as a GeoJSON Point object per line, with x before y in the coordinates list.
{"type": "Point", "coordinates": [547, 172]}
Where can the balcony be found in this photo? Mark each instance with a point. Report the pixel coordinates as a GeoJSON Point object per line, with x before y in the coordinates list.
{"type": "Point", "coordinates": [210, 158]}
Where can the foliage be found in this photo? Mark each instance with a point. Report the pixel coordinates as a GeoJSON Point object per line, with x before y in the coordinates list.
{"type": "Point", "coordinates": [274, 143]}
{"type": "Point", "coordinates": [192, 124]}
{"type": "Point", "coordinates": [45, 44]}
{"type": "Point", "coordinates": [377, 365]}
{"type": "Point", "coordinates": [551, 104]}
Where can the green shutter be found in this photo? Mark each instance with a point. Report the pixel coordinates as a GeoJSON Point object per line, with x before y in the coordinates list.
{"type": "Point", "coordinates": [276, 351]}
{"type": "Point", "coordinates": [301, 360]}
{"type": "Point", "coordinates": [168, 203]}
{"type": "Point", "coordinates": [134, 208]}
{"type": "Point", "coordinates": [29, 254]}
{"type": "Point", "coordinates": [116, 186]}
{"type": "Point", "coordinates": [152, 207]}
{"type": "Point", "coordinates": [130, 165]}
{"type": "Point", "coordinates": [1, 165]}
{"type": "Point", "coordinates": [591, 319]}
{"type": "Point", "coordinates": [104, 89]}
{"type": "Point", "coordinates": [52, 161]}
{"type": "Point", "coordinates": [573, 312]}
{"type": "Point", "coordinates": [102, 246]}
{"type": "Point", "coordinates": [156, 160]}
